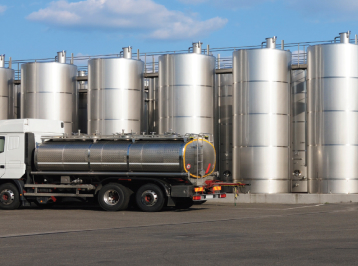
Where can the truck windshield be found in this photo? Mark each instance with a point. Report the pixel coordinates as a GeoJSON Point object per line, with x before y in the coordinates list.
{"type": "Point", "coordinates": [2, 144]}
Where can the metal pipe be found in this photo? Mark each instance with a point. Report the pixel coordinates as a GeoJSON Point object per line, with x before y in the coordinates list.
{"type": "Point", "coordinates": [155, 174]}
{"type": "Point", "coordinates": [138, 54]}
{"type": "Point", "coordinates": [197, 47]}
{"type": "Point", "coordinates": [127, 52]}
{"type": "Point", "coordinates": [298, 55]}
{"type": "Point", "coordinates": [61, 57]}
{"type": "Point", "coordinates": [271, 42]}
{"type": "Point", "coordinates": [208, 49]}
{"type": "Point", "coordinates": [344, 36]}
{"type": "Point", "coordinates": [2, 60]}
{"type": "Point", "coordinates": [356, 39]}
{"type": "Point", "coordinates": [71, 58]}
{"type": "Point", "coordinates": [282, 44]}
{"type": "Point", "coordinates": [153, 62]}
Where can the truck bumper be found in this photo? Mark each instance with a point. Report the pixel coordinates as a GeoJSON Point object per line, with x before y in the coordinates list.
{"type": "Point", "coordinates": [208, 196]}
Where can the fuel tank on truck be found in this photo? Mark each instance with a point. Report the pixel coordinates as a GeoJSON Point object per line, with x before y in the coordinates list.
{"type": "Point", "coordinates": [127, 153]}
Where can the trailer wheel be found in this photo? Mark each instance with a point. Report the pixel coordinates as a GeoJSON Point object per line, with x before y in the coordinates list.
{"type": "Point", "coordinates": [9, 197]}
{"type": "Point", "coordinates": [150, 198]}
{"type": "Point", "coordinates": [184, 203]}
{"type": "Point", "coordinates": [113, 197]}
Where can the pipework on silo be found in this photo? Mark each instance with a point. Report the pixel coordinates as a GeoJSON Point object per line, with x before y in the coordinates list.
{"type": "Point", "coordinates": [261, 118]}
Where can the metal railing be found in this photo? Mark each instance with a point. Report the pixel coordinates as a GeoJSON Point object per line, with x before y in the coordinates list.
{"type": "Point", "coordinates": [150, 59]}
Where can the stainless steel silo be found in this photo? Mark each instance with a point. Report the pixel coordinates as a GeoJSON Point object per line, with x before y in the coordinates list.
{"type": "Point", "coordinates": [82, 103]}
{"type": "Point", "coordinates": [224, 91]}
{"type": "Point", "coordinates": [332, 113]}
{"type": "Point", "coordinates": [298, 131]}
{"type": "Point", "coordinates": [6, 90]}
{"type": "Point", "coordinates": [261, 118]}
{"type": "Point", "coordinates": [153, 119]}
{"type": "Point", "coordinates": [48, 91]}
{"type": "Point", "coordinates": [186, 92]}
{"type": "Point", "coordinates": [14, 101]}
{"type": "Point", "coordinates": [115, 90]}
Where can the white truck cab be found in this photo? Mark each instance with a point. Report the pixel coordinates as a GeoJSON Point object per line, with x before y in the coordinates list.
{"type": "Point", "coordinates": [12, 142]}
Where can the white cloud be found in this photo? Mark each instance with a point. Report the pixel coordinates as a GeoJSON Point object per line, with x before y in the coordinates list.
{"type": "Point", "coordinates": [152, 20]}
{"type": "Point", "coordinates": [2, 9]}
{"type": "Point", "coordinates": [329, 10]}
{"type": "Point", "coordinates": [228, 4]}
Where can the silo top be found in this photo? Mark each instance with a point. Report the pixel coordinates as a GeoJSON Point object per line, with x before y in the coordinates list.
{"type": "Point", "coordinates": [115, 73]}
{"type": "Point", "coordinates": [187, 69]}
{"type": "Point", "coordinates": [265, 64]}
{"type": "Point", "coordinates": [332, 60]}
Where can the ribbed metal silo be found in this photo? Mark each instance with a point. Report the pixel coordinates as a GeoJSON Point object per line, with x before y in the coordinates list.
{"type": "Point", "coordinates": [332, 112]}
{"type": "Point", "coordinates": [261, 118]}
{"type": "Point", "coordinates": [14, 101]}
{"type": "Point", "coordinates": [82, 103]}
{"type": "Point", "coordinates": [6, 89]}
{"type": "Point", "coordinates": [298, 131]}
{"type": "Point", "coordinates": [224, 91]}
{"type": "Point", "coordinates": [48, 91]}
{"type": "Point", "coordinates": [186, 92]}
{"type": "Point", "coordinates": [115, 87]}
{"type": "Point", "coordinates": [153, 105]}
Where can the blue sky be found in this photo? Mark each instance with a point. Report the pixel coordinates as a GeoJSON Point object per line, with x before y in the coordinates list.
{"type": "Point", "coordinates": [38, 28]}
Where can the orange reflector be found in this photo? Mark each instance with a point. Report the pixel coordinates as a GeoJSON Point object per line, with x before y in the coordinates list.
{"type": "Point", "coordinates": [223, 196]}
{"type": "Point", "coordinates": [196, 197]}
{"type": "Point", "coordinates": [216, 188]}
{"type": "Point", "coordinates": [198, 189]}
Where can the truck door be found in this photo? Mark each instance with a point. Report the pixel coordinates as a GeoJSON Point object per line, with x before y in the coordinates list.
{"type": "Point", "coordinates": [2, 156]}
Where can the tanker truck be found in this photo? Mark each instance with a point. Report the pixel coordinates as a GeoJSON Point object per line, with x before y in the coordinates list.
{"type": "Point", "coordinates": [39, 163]}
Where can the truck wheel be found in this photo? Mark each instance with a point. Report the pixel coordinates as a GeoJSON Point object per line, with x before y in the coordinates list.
{"type": "Point", "coordinates": [9, 197]}
{"type": "Point", "coordinates": [150, 198]}
{"type": "Point", "coordinates": [113, 197]}
{"type": "Point", "coordinates": [185, 203]}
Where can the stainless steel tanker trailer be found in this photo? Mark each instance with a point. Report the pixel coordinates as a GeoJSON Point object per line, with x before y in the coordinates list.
{"type": "Point", "coordinates": [40, 163]}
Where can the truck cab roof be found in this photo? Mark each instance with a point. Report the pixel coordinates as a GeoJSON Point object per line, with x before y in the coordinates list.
{"type": "Point", "coordinates": [31, 125]}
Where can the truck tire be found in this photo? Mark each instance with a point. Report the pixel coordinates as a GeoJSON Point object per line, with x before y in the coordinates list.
{"type": "Point", "coordinates": [150, 198]}
{"type": "Point", "coordinates": [184, 203]}
{"type": "Point", "coordinates": [113, 197]}
{"type": "Point", "coordinates": [9, 197]}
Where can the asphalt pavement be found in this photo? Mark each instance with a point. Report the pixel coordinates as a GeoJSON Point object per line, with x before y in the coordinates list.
{"type": "Point", "coordinates": [209, 234]}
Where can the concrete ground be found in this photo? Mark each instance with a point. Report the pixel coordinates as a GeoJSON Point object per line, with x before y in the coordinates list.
{"type": "Point", "coordinates": [209, 234]}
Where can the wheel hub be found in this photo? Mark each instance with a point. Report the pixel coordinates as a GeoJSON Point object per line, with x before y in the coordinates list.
{"type": "Point", "coordinates": [7, 196]}
{"type": "Point", "coordinates": [111, 197]}
{"type": "Point", "coordinates": [149, 198]}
